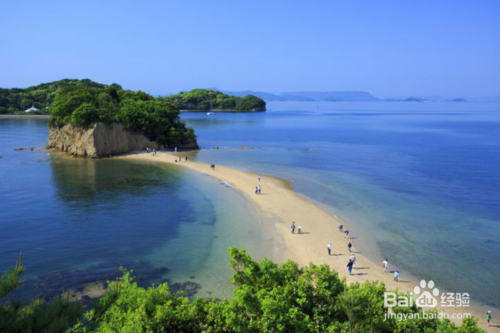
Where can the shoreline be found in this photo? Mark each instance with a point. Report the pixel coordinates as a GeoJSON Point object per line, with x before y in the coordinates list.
{"type": "Point", "coordinates": [22, 116]}
{"type": "Point", "coordinates": [280, 205]}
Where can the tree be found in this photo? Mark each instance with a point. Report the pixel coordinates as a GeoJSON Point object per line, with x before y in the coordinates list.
{"type": "Point", "coordinates": [203, 99]}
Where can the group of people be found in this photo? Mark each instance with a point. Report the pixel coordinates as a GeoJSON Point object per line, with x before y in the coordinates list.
{"type": "Point", "coordinates": [299, 228]}
{"type": "Point", "coordinates": [152, 151]}
{"type": "Point", "coordinates": [352, 260]}
{"type": "Point", "coordinates": [180, 159]}
{"type": "Point", "coordinates": [258, 189]}
{"type": "Point", "coordinates": [385, 266]}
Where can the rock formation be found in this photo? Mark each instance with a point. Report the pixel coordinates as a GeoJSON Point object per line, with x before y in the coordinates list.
{"type": "Point", "coordinates": [98, 140]}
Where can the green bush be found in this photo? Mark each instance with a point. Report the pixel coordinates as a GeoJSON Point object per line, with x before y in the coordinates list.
{"type": "Point", "coordinates": [203, 99]}
{"type": "Point", "coordinates": [138, 111]}
{"type": "Point", "coordinates": [267, 298]}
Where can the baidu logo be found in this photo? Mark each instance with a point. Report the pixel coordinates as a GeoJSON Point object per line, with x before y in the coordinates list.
{"type": "Point", "coordinates": [426, 294]}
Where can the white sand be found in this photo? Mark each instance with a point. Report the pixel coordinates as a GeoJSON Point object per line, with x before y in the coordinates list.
{"type": "Point", "coordinates": [281, 203]}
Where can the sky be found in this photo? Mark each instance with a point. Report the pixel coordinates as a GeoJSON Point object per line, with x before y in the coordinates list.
{"type": "Point", "coordinates": [389, 48]}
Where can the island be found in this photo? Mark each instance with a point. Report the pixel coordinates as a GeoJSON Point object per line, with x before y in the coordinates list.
{"type": "Point", "coordinates": [36, 100]}
{"type": "Point", "coordinates": [211, 100]}
{"type": "Point", "coordinates": [97, 121]}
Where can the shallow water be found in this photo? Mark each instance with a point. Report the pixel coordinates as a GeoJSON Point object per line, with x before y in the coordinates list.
{"type": "Point", "coordinates": [417, 182]}
{"type": "Point", "coordinates": [78, 220]}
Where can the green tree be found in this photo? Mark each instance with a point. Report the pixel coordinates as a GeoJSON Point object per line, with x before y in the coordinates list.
{"type": "Point", "coordinates": [203, 99]}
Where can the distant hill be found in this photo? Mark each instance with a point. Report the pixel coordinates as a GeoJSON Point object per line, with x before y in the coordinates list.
{"type": "Point", "coordinates": [306, 96]}
{"type": "Point", "coordinates": [414, 99]}
{"type": "Point", "coordinates": [354, 96]}
{"type": "Point", "coordinates": [260, 94]}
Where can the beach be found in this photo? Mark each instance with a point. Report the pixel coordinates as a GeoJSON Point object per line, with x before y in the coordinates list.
{"type": "Point", "coordinates": [279, 206]}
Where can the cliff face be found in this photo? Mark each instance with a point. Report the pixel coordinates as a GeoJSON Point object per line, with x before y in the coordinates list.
{"type": "Point", "coordinates": [98, 140]}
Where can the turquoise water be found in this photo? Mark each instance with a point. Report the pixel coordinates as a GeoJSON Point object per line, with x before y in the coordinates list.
{"type": "Point", "coordinates": [419, 183]}
{"type": "Point", "coordinates": [78, 220]}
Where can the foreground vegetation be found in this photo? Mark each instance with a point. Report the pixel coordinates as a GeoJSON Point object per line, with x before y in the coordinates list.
{"type": "Point", "coordinates": [268, 298]}
{"type": "Point", "coordinates": [205, 100]}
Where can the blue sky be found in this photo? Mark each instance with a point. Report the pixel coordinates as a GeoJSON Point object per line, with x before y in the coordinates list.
{"type": "Point", "coordinates": [390, 48]}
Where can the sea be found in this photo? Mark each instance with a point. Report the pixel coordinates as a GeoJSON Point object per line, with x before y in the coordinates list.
{"type": "Point", "coordinates": [416, 183]}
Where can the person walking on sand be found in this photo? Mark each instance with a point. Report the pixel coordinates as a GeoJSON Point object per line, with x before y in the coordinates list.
{"type": "Point", "coordinates": [488, 317]}
{"type": "Point", "coordinates": [353, 258]}
{"type": "Point", "coordinates": [329, 246]}
{"type": "Point", "coordinates": [341, 227]}
{"type": "Point", "coordinates": [175, 149]}
{"type": "Point", "coordinates": [186, 159]}
{"type": "Point", "coordinates": [349, 246]}
{"type": "Point", "coordinates": [213, 166]}
{"type": "Point", "coordinates": [293, 227]}
{"type": "Point", "coordinates": [346, 234]}
{"type": "Point", "coordinates": [258, 178]}
{"type": "Point", "coordinates": [260, 189]}
{"type": "Point", "coordinates": [385, 265]}
{"type": "Point", "coordinates": [349, 266]}
{"type": "Point", "coordinates": [396, 275]}
{"type": "Point", "coordinates": [256, 190]}
{"type": "Point", "coordinates": [299, 229]}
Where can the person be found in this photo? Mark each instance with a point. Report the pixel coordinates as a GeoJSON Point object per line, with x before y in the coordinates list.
{"type": "Point", "coordinates": [346, 233]}
{"type": "Point", "coordinates": [349, 266]}
{"type": "Point", "coordinates": [186, 159]}
{"type": "Point", "coordinates": [385, 265]}
{"type": "Point", "coordinates": [213, 166]}
{"type": "Point", "coordinates": [147, 149]}
{"type": "Point", "coordinates": [260, 189]}
{"type": "Point", "coordinates": [329, 246]}
{"type": "Point", "coordinates": [396, 275]}
{"type": "Point", "coordinates": [488, 317]}
{"type": "Point", "coordinates": [293, 227]}
{"type": "Point", "coordinates": [353, 258]}
{"type": "Point", "coordinates": [341, 227]}
{"type": "Point", "coordinates": [256, 189]}
{"type": "Point", "coordinates": [258, 178]}
{"type": "Point", "coordinates": [299, 228]}
{"type": "Point", "coordinates": [349, 246]}
{"type": "Point", "coordinates": [175, 149]}
{"type": "Point", "coordinates": [154, 152]}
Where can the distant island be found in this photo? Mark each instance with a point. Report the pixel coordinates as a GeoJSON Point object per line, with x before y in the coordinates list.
{"type": "Point", "coordinates": [91, 119]}
{"type": "Point", "coordinates": [37, 99]}
{"type": "Point", "coordinates": [211, 100]}
{"type": "Point", "coordinates": [310, 96]}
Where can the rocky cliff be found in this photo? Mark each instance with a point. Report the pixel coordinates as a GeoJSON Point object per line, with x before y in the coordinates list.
{"type": "Point", "coordinates": [98, 140]}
